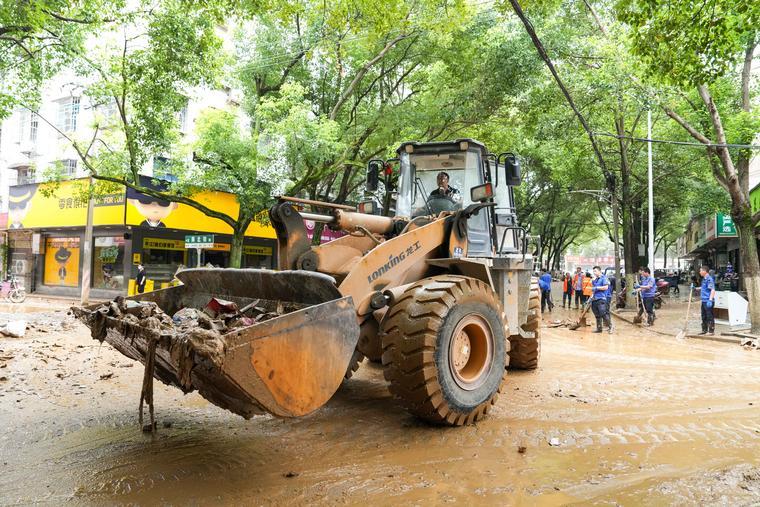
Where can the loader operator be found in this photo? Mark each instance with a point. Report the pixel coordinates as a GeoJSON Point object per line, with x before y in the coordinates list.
{"type": "Point", "coordinates": [444, 190]}
{"type": "Point", "coordinates": [599, 286]}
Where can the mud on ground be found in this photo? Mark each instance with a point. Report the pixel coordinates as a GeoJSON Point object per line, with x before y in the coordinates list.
{"type": "Point", "coordinates": [634, 418]}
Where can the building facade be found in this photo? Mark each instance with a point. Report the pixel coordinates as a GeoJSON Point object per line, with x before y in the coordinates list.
{"type": "Point", "coordinates": [46, 229]}
{"type": "Point", "coordinates": [712, 240]}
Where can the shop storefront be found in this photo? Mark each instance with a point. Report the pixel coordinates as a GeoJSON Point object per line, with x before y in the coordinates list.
{"type": "Point", "coordinates": [712, 240]}
{"type": "Point", "coordinates": [46, 238]}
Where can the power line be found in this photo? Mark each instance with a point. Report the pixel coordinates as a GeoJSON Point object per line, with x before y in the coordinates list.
{"type": "Point", "coordinates": [680, 143]}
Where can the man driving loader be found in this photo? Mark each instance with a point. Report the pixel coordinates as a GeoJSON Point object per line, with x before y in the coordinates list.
{"type": "Point", "coordinates": [444, 190]}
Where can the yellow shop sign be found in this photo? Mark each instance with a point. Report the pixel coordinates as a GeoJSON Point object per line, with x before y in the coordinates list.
{"type": "Point", "coordinates": [257, 250]}
{"type": "Point", "coordinates": [163, 244]}
{"type": "Point", "coordinates": [61, 204]}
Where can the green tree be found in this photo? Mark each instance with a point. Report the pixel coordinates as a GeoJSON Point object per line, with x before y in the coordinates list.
{"type": "Point", "coordinates": [341, 85]}
{"type": "Point", "coordinates": [704, 51]}
{"type": "Point", "coordinates": [585, 52]}
{"type": "Point", "coordinates": [38, 38]}
{"type": "Point", "coordinates": [227, 159]}
{"type": "Point", "coordinates": [142, 68]}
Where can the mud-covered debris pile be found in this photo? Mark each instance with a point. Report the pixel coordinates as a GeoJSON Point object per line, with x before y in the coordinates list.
{"type": "Point", "coordinates": [218, 316]}
{"type": "Point", "coordinates": [190, 336]}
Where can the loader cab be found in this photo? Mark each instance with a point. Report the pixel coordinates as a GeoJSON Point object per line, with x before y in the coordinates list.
{"type": "Point", "coordinates": [436, 177]}
{"type": "Point", "coordinates": [429, 178]}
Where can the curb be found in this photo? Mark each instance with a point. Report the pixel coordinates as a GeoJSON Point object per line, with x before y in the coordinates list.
{"type": "Point", "coordinates": [714, 338]}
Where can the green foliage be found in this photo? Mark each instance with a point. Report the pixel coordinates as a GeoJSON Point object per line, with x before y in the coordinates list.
{"type": "Point", "coordinates": [39, 38]}
{"type": "Point", "coordinates": [685, 42]}
{"type": "Point", "coordinates": [147, 75]}
{"type": "Point", "coordinates": [228, 160]}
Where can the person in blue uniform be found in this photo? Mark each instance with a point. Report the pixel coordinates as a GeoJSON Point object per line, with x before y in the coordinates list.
{"type": "Point", "coordinates": [647, 288]}
{"type": "Point", "coordinates": [707, 295]}
{"type": "Point", "coordinates": [545, 284]}
{"type": "Point", "coordinates": [599, 286]}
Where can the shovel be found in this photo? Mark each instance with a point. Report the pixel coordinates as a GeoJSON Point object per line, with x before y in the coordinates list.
{"type": "Point", "coordinates": [637, 318]}
{"type": "Point", "coordinates": [582, 319]}
{"type": "Point", "coordinates": [682, 333]}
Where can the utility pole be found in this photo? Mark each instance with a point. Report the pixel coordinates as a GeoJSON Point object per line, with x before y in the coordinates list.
{"type": "Point", "coordinates": [650, 191]}
{"type": "Point", "coordinates": [87, 249]}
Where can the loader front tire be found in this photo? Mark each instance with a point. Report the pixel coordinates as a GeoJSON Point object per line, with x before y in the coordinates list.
{"type": "Point", "coordinates": [524, 353]}
{"type": "Point", "coordinates": [445, 349]}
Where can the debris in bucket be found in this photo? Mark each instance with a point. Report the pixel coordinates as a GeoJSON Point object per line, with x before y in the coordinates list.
{"type": "Point", "coordinates": [217, 307]}
{"type": "Point", "coordinates": [186, 338]}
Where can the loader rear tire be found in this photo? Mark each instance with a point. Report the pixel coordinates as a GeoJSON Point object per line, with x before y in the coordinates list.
{"type": "Point", "coordinates": [445, 349]}
{"type": "Point", "coordinates": [524, 353]}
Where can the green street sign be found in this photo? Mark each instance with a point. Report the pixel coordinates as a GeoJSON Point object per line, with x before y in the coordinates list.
{"type": "Point", "coordinates": [724, 226]}
{"type": "Point", "coordinates": [199, 241]}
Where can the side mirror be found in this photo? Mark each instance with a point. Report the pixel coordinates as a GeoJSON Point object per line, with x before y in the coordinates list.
{"type": "Point", "coordinates": [373, 174]}
{"type": "Point", "coordinates": [512, 169]}
{"type": "Point", "coordinates": [481, 193]}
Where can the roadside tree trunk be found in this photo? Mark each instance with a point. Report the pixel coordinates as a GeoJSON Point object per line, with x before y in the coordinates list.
{"type": "Point", "coordinates": [238, 237]}
{"type": "Point", "coordinates": [236, 251]}
{"type": "Point", "coordinates": [750, 263]}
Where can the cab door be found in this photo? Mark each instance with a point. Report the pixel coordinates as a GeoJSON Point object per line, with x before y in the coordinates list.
{"type": "Point", "coordinates": [478, 226]}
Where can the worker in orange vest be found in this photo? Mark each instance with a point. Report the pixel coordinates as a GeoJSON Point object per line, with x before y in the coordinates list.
{"type": "Point", "coordinates": [586, 287]}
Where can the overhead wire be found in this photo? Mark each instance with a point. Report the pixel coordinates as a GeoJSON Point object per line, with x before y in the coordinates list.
{"type": "Point", "coordinates": [680, 143]}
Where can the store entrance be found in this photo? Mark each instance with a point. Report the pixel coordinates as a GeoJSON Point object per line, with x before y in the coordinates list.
{"type": "Point", "coordinates": [218, 258]}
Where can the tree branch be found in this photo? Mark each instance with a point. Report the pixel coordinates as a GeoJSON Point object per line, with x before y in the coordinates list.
{"type": "Point", "coordinates": [362, 72]}
{"type": "Point", "coordinates": [545, 57]}
{"type": "Point", "coordinates": [746, 74]}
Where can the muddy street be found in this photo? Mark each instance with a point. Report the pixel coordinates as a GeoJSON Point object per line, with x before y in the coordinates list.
{"type": "Point", "coordinates": [630, 418]}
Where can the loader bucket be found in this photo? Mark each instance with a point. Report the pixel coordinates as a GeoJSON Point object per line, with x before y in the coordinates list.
{"type": "Point", "coordinates": [288, 366]}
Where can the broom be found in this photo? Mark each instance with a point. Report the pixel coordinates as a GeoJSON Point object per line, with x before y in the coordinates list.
{"type": "Point", "coordinates": [637, 318]}
{"type": "Point", "coordinates": [682, 333]}
{"type": "Point", "coordinates": [576, 325]}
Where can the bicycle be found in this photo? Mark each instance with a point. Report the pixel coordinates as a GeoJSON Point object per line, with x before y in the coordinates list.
{"type": "Point", "coordinates": [12, 291]}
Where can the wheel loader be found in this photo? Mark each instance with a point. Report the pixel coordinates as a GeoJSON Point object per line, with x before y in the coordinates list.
{"type": "Point", "coordinates": [432, 281]}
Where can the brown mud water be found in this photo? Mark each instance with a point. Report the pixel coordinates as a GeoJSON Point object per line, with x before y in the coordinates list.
{"type": "Point", "coordinates": [639, 419]}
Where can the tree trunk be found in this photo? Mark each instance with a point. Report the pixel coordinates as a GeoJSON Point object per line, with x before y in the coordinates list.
{"type": "Point", "coordinates": [750, 266]}
{"type": "Point", "coordinates": [236, 251]}
{"type": "Point", "coordinates": [630, 242]}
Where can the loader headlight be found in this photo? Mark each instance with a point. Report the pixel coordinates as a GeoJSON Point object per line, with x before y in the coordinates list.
{"type": "Point", "coordinates": [366, 207]}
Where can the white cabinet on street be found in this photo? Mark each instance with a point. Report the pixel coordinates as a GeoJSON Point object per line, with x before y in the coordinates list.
{"type": "Point", "coordinates": [730, 308]}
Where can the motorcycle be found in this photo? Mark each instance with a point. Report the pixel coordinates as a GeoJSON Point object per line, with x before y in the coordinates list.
{"type": "Point", "coordinates": [11, 290]}
{"type": "Point", "coordinates": [663, 288]}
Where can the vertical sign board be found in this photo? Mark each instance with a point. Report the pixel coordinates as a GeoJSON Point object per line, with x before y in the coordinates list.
{"type": "Point", "coordinates": [199, 242]}
{"type": "Point", "coordinates": [725, 227]}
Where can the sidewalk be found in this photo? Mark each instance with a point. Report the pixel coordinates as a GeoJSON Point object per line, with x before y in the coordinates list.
{"type": "Point", "coordinates": [41, 303]}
